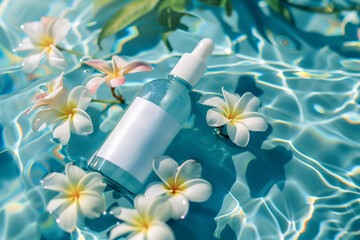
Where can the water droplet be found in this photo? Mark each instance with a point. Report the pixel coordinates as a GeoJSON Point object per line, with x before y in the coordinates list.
{"type": "Point", "coordinates": [14, 50]}
{"type": "Point", "coordinates": [45, 187]}
{"type": "Point", "coordinates": [111, 212]}
{"type": "Point", "coordinates": [51, 211]}
{"type": "Point", "coordinates": [22, 26]}
{"type": "Point", "coordinates": [86, 70]}
{"type": "Point", "coordinates": [58, 220]}
{"type": "Point", "coordinates": [184, 202]}
{"type": "Point", "coordinates": [104, 212]}
{"type": "Point", "coordinates": [182, 217]}
{"type": "Point", "coordinates": [117, 223]}
{"type": "Point", "coordinates": [41, 181]}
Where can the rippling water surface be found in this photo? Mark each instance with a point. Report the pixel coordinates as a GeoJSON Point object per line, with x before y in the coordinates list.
{"type": "Point", "coordinates": [298, 180]}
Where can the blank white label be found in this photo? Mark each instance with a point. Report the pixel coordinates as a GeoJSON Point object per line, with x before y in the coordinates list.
{"type": "Point", "coordinates": [143, 132]}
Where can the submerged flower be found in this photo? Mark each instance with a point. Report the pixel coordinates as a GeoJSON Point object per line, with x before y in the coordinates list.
{"type": "Point", "coordinates": [43, 38]}
{"type": "Point", "coordinates": [44, 96]}
{"type": "Point", "coordinates": [67, 110]}
{"type": "Point", "coordinates": [238, 113]}
{"type": "Point", "coordinates": [80, 194]}
{"type": "Point", "coordinates": [146, 221]}
{"type": "Point", "coordinates": [181, 184]}
{"type": "Point", "coordinates": [114, 71]}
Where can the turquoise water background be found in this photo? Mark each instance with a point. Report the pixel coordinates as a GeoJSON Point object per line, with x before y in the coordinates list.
{"type": "Point", "coordinates": [298, 180]}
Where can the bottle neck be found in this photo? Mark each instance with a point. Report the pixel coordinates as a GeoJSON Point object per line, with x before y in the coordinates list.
{"type": "Point", "coordinates": [180, 80]}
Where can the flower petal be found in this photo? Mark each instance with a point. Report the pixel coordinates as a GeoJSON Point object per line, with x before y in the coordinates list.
{"type": "Point", "coordinates": [155, 190]}
{"type": "Point", "coordinates": [80, 123]}
{"type": "Point", "coordinates": [238, 133]}
{"type": "Point", "coordinates": [115, 82]}
{"type": "Point", "coordinates": [190, 169]}
{"type": "Point", "coordinates": [91, 204]}
{"type": "Point", "coordinates": [197, 190]}
{"type": "Point", "coordinates": [165, 167]}
{"type": "Point", "coordinates": [34, 30]}
{"type": "Point", "coordinates": [215, 118]}
{"type": "Point", "coordinates": [45, 118]}
{"type": "Point", "coordinates": [62, 131]}
{"type": "Point", "coordinates": [254, 121]}
{"type": "Point", "coordinates": [57, 83]}
{"type": "Point", "coordinates": [25, 45]}
{"type": "Point", "coordinates": [59, 203]}
{"type": "Point", "coordinates": [100, 65]}
{"type": "Point", "coordinates": [248, 103]}
{"type": "Point", "coordinates": [142, 204]}
{"type": "Point", "coordinates": [180, 206]}
{"type": "Point", "coordinates": [231, 99]}
{"type": "Point", "coordinates": [94, 83]}
{"type": "Point", "coordinates": [137, 235]}
{"type": "Point", "coordinates": [68, 217]}
{"type": "Point", "coordinates": [213, 101]}
{"type": "Point", "coordinates": [120, 230]}
{"type": "Point", "coordinates": [31, 61]}
{"type": "Point", "coordinates": [136, 66]}
{"type": "Point", "coordinates": [126, 214]}
{"type": "Point", "coordinates": [159, 231]}
{"type": "Point", "coordinates": [59, 29]}
{"type": "Point", "coordinates": [56, 58]}
{"type": "Point", "coordinates": [93, 181]}
{"type": "Point", "coordinates": [59, 102]}
{"type": "Point", "coordinates": [74, 173]}
{"type": "Point", "coordinates": [56, 182]}
{"type": "Point", "coordinates": [118, 64]}
{"type": "Point", "coordinates": [79, 97]}
{"type": "Point", "coordinates": [159, 209]}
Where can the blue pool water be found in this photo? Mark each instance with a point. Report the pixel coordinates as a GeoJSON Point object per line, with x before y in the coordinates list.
{"type": "Point", "coordinates": [298, 180]}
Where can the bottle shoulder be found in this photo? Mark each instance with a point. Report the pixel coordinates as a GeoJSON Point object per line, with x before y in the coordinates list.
{"type": "Point", "coordinates": [170, 95]}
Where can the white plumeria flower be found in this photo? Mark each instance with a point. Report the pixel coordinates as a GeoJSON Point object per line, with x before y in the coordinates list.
{"type": "Point", "coordinates": [44, 35]}
{"type": "Point", "coordinates": [238, 113]}
{"type": "Point", "coordinates": [80, 194]}
{"type": "Point", "coordinates": [67, 110]}
{"type": "Point", "coordinates": [146, 221]}
{"type": "Point", "coordinates": [52, 89]}
{"type": "Point", "coordinates": [114, 71]}
{"type": "Point", "coordinates": [181, 184]}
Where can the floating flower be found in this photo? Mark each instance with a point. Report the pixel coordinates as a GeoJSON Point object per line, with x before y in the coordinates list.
{"type": "Point", "coordinates": [238, 113]}
{"type": "Point", "coordinates": [44, 96]}
{"type": "Point", "coordinates": [181, 184]}
{"type": "Point", "coordinates": [67, 110]}
{"type": "Point", "coordinates": [80, 194]}
{"type": "Point", "coordinates": [114, 71]}
{"type": "Point", "coordinates": [43, 38]}
{"type": "Point", "coordinates": [146, 221]}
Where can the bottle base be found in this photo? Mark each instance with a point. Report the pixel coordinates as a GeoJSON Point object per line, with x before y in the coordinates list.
{"type": "Point", "coordinates": [116, 177]}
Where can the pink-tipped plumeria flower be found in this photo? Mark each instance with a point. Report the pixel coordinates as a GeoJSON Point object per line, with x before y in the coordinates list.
{"type": "Point", "coordinates": [47, 93]}
{"type": "Point", "coordinates": [80, 194]}
{"type": "Point", "coordinates": [114, 71]}
{"type": "Point", "coordinates": [239, 114]}
{"type": "Point", "coordinates": [43, 38]}
{"type": "Point", "coordinates": [145, 222]}
{"type": "Point", "coordinates": [67, 111]}
{"type": "Point", "coordinates": [180, 184]}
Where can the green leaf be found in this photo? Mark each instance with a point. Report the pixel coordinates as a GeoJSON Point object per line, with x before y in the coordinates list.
{"type": "Point", "coordinates": [171, 19]}
{"type": "Point", "coordinates": [226, 4]}
{"type": "Point", "coordinates": [125, 16]}
{"type": "Point", "coordinates": [278, 7]}
{"type": "Point", "coordinates": [99, 4]}
{"type": "Point", "coordinates": [165, 36]}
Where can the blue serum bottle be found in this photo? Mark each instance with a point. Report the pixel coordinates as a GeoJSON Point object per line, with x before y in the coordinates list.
{"type": "Point", "coordinates": [150, 123]}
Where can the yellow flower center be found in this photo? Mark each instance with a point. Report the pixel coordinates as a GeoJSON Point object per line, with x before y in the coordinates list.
{"type": "Point", "coordinates": [46, 40]}
{"type": "Point", "coordinates": [175, 186]}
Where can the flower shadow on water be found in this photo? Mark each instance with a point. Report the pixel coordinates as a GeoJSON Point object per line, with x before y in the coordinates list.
{"type": "Point", "coordinates": [267, 169]}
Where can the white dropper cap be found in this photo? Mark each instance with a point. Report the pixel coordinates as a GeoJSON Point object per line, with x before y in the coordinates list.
{"type": "Point", "coordinates": [192, 66]}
